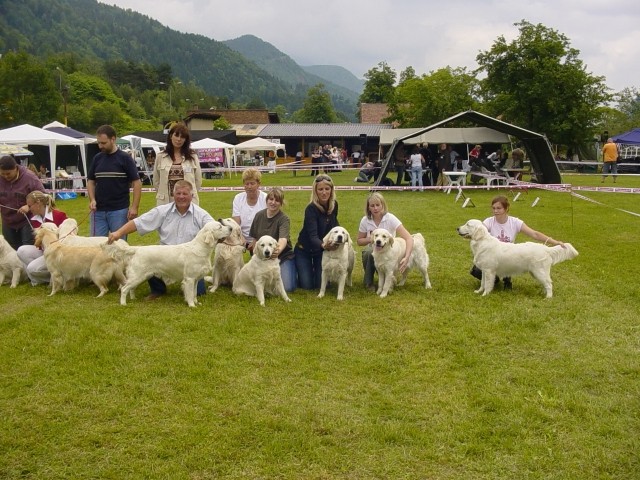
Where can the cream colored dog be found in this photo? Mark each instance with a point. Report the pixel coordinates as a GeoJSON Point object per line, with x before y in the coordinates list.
{"type": "Point", "coordinates": [337, 264]}
{"type": "Point", "coordinates": [68, 234]}
{"type": "Point", "coordinates": [10, 265]}
{"type": "Point", "coordinates": [261, 275]}
{"type": "Point", "coordinates": [69, 263]}
{"type": "Point", "coordinates": [387, 253]}
{"type": "Point", "coordinates": [502, 259]}
{"type": "Point", "coordinates": [187, 262]}
{"type": "Point", "coordinates": [228, 259]}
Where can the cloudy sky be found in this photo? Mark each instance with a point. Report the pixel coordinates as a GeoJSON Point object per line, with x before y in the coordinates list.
{"type": "Point", "coordinates": [424, 34]}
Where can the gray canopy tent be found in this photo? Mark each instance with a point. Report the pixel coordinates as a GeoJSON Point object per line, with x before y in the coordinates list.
{"type": "Point", "coordinates": [536, 145]}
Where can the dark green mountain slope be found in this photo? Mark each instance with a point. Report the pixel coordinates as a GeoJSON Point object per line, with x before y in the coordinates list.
{"type": "Point", "coordinates": [94, 30]}
{"type": "Point", "coordinates": [281, 66]}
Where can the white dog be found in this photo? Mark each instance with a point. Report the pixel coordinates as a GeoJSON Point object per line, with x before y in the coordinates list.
{"type": "Point", "coordinates": [10, 265]}
{"type": "Point", "coordinates": [387, 253]}
{"type": "Point", "coordinates": [69, 263]}
{"type": "Point", "coordinates": [68, 234]}
{"type": "Point", "coordinates": [496, 258]}
{"type": "Point", "coordinates": [186, 262]}
{"type": "Point", "coordinates": [337, 265]}
{"type": "Point", "coordinates": [229, 257]}
{"type": "Point", "coordinates": [262, 273]}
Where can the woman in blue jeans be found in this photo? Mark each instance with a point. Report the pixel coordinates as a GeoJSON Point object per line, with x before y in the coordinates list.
{"type": "Point", "coordinates": [320, 216]}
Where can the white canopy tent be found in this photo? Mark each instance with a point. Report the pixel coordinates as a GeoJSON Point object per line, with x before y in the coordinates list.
{"type": "Point", "coordinates": [210, 143]}
{"type": "Point", "coordinates": [258, 144]}
{"type": "Point", "coordinates": [29, 135]}
{"type": "Point", "coordinates": [144, 142]}
{"type": "Point", "coordinates": [453, 136]}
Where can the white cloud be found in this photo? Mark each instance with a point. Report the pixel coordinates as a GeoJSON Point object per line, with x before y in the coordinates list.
{"type": "Point", "coordinates": [426, 34]}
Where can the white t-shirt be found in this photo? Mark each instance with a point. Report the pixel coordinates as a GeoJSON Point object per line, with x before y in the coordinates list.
{"type": "Point", "coordinates": [389, 222]}
{"type": "Point", "coordinates": [505, 232]}
{"type": "Point", "coordinates": [246, 212]}
{"type": "Point", "coordinates": [416, 160]}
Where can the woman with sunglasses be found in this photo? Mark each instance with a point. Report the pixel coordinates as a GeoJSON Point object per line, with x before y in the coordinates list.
{"type": "Point", "coordinates": [320, 216]}
{"type": "Point", "coordinates": [176, 162]}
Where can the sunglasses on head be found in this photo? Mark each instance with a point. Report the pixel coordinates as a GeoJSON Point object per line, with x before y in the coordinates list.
{"type": "Point", "coordinates": [323, 178]}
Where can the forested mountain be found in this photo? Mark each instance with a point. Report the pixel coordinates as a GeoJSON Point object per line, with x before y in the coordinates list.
{"type": "Point", "coordinates": [93, 30]}
{"type": "Point", "coordinates": [286, 69]}
{"type": "Point", "coordinates": [338, 75]}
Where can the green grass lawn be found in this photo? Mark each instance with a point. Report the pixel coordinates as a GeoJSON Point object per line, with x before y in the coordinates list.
{"type": "Point", "coordinates": [436, 383]}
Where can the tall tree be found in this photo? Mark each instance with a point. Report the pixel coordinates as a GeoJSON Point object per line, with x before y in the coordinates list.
{"type": "Point", "coordinates": [379, 84]}
{"type": "Point", "coordinates": [538, 82]}
{"type": "Point", "coordinates": [421, 101]}
{"type": "Point", "coordinates": [317, 107]}
{"type": "Point", "coordinates": [29, 92]}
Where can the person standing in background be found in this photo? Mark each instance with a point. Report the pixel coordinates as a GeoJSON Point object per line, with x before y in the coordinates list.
{"type": "Point", "coordinates": [16, 182]}
{"type": "Point", "coordinates": [176, 162]}
{"type": "Point", "coordinates": [110, 175]}
{"type": "Point", "coordinates": [610, 159]}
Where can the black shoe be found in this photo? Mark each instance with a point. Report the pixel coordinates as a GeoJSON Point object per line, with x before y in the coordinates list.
{"type": "Point", "coordinates": [476, 272]}
{"type": "Point", "coordinates": [507, 283]}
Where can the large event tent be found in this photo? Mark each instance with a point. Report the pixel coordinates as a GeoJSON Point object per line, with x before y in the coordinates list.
{"type": "Point", "coordinates": [536, 145]}
{"type": "Point", "coordinates": [29, 135]}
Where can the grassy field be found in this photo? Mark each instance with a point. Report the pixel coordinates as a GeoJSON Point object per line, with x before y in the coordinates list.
{"type": "Point", "coordinates": [434, 383]}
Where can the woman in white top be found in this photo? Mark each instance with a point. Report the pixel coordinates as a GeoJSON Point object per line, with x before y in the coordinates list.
{"type": "Point", "coordinates": [505, 228]}
{"type": "Point", "coordinates": [176, 162]}
{"type": "Point", "coordinates": [249, 202]}
{"type": "Point", "coordinates": [416, 164]}
{"type": "Point", "coordinates": [378, 216]}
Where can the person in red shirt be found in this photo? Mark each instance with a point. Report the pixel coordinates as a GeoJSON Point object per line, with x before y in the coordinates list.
{"type": "Point", "coordinates": [41, 206]}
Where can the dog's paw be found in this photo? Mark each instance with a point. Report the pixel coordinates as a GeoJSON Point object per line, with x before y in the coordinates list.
{"type": "Point", "coordinates": [287, 299]}
{"type": "Point", "coordinates": [212, 289]}
{"type": "Point", "coordinates": [339, 297]}
{"type": "Point", "coordinates": [321, 294]}
{"type": "Point", "coordinates": [478, 290]}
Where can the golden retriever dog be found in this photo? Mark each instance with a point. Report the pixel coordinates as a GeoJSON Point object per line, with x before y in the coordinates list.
{"type": "Point", "coordinates": [187, 262]}
{"type": "Point", "coordinates": [261, 275]}
{"type": "Point", "coordinates": [496, 258]}
{"type": "Point", "coordinates": [337, 265]}
{"type": "Point", "coordinates": [387, 253]}
{"type": "Point", "coordinates": [69, 263]}
{"type": "Point", "coordinates": [228, 259]}
{"type": "Point", "coordinates": [10, 265]}
{"type": "Point", "coordinates": [68, 234]}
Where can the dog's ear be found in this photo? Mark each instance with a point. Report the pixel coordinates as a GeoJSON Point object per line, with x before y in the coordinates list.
{"type": "Point", "coordinates": [479, 231]}
{"type": "Point", "coordinates": [327, 237]}
{"type": "Point", "coordinates": [391, 240]}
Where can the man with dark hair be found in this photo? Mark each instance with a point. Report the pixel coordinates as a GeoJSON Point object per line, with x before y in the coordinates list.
{"type": "Point", "coordinates": [110, 175]}
{"type": "Point", "coordinates": [16, 182]}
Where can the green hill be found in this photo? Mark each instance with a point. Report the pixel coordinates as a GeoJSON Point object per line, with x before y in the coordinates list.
{"type": "Point", "coordinates": [338, 75]}
{"type": "Point", "coordinates": [94, 30]}
{"type": "Point", "coordinates": [283, 67]}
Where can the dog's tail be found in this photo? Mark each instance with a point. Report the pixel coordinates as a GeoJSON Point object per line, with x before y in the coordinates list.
{"type": "Point", "coordinates": [120, 251]}
{"type": "Point", "coordinates": [418, 239]}
{"type": "Point", "coordinates": [560, 254]}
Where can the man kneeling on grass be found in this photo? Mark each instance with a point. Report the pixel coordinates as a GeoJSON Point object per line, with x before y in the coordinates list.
{"type": "Point", "coordinates": [177, 222]}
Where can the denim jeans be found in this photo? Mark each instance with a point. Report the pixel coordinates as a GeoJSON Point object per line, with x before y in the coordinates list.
{"type": "Point", "coordinates": [610, 167]}
{"type": "Point", "coordinates": [288, 274]}
{"type": "Point", "coordinates": [309, 269]}
{"type": "Point", "coordinates": [103, 222]}
{"type": "Point", "coordinates": [416, 176]}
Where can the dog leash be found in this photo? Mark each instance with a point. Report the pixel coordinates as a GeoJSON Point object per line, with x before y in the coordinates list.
{"type": "Point", "coordinates": [18, 210]}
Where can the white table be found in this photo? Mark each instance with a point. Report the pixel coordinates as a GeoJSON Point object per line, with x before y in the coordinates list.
{"type": "Point", "coordinates": [454, 179]}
